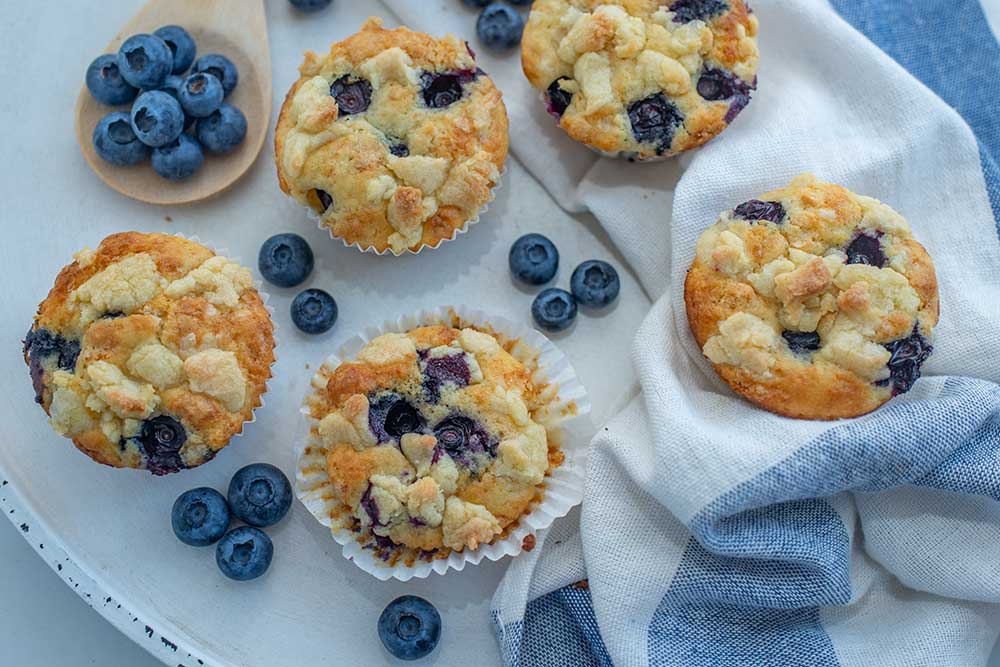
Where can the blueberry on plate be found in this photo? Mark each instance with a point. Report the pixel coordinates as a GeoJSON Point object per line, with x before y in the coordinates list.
{"type": "Point", "coordinates": [477, 4]}
{"type": "Point", "coordinates": [244, 553]}
{"type": "Point", "coordinates": [409, 627]}
{"type": "Point", "coordinates": [222, 130]}
{"type": "Point", "coordinates": [181, 45]}
{"type": "Point", "coordinates": [200, 517]}
{"type": "Point", "coordinates": [106, 84]}
{"type": "Point", "coordinates": [499, 26]}
{"type": "Point", "coordinates": [157, 118]}
{"type": "Point", "coordinates": [310, 5]}
{"type": "Point", "coordinates": [285, 260]}
{"type": "Point", "coordinates": [533, 259]}
{"type": "Point", "coordinates": [554, 309]}
{"type": "Point", "coordinates": [145, 61]}
{"type": "Point", "coordinates": [260, 494]}
{"type": "Point", "coordinates": [221, 67]}
{"type": "Point", "coordinates": [314, 311]}
{"type": "Point", "coordinates": [179, 159]}
{"type": "Point", "coordinates": [115, 140]}
{"type": "Point", "coordinates": [200, 94]}
{"type": "Point", "coordinates": [595, 284]}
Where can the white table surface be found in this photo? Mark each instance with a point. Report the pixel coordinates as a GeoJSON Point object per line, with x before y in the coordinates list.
{"type": "Point", "coordinates": [45, 623]}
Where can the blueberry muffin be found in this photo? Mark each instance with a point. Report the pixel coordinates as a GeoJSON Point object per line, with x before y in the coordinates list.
{"type": "Point", "coordinates": [642, 79]}
{"type": "Point", "coordinates": [150, 352]}
{"type": "Point", "coordinates": [434, 441]}
{"type": "Point", "coordinates": [813, 302]}
{"type": "Point", "coordinates": [394, 138]}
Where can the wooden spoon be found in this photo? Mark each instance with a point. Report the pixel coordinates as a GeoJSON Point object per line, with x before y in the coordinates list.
{"type": "Point", "coordinates": [238, 30]}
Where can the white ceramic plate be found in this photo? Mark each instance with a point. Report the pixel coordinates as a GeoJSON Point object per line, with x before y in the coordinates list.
{"type": "Point", "coordinates": [109, 529]}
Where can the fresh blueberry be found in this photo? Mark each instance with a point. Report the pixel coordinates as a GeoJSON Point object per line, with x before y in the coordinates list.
{"type": "Point", "coordinates": [145, 61]}
{"type": "Point", "coordinates": [719, 84]}
{"type": "Point", "coordinates": [200, 95]}
{"type": "Point", "coordinates": [41, 345]}
{"type": "Point", "coordinates": [409, 627]}
{"type": "Point", "coordinates": [200, 517]}
{"type": "Point", "coordinates": [285, 260]}
{"type": "Point", "coordinates": [499, 26]}
{"type": "Point", "coordinates": [908, 355]}
{"type": "Point", "coordinates": [554, 309]}
{"type": "Point", "coordinates": [595, 284]}
{"type": "Point", "coordinates": [221, 67]}
{"type": "Point", "coordinates": [310, 5]}
{"type": "Point", "coordinates": [533, 259]}
{"type": "Point", "coordinates": [157, 118]}
{"type": "Point", "coordinates": [442, 89]}
{"type": "Point", "coordinates": [686, 11]}
{"type": "Point", "coordinates": [557, 98]}
{"type": "Point", "coordinates": [106, 84]}
{"type": "Point", "coordinates": [438, 371]}
{"type": "Point", "coordinates": [222, 130]}
{"type": "Point", "coordinates": [802, 341]}
{"type": "Point", "coordinates": [654, 120]}
{"type": "Point", "coordinates": [179, 159]}
{"type": "Point", "coordinates": [353, 95]}
{"type": "Point", "coordinates": [866, 248]}
{"type": "Point", "coordinates": [181, 45]}
{"type": "Point", "coordinates": [390, 417]}
{"type": "Point", "coordinates": [755, 209]}
{"type": "Point", "coordinates": [244, 553]}
{"type": "Point", "coordinates": [161, 439]}
{"type": "Point", "coordinates": [172, 86]}
{"type": "Point", "coordinates": [260, 494]}
{"type": "Point", "coordinates": [116, 142]}
{"type": "Point", "coordinates": [314, 311]}
{"type": "Point", "coordinates": [476, 4]}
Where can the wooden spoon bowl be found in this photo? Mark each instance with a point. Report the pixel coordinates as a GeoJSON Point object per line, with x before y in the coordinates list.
{"type": "Point", "coordinates": [238, 30]}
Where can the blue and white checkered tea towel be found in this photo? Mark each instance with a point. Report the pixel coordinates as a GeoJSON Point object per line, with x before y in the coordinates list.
{"type": "Point", "coordinates": [714, 533]}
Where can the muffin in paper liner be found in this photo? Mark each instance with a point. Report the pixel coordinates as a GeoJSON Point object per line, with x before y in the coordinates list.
{"type": "Point", "coordinates": [565, 416]}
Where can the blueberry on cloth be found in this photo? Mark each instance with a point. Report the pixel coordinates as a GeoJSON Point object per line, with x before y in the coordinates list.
{"type": "Point", "coordinates": [244, 553]}
{"type": "Point", "coordinates": [314, 311]}
{"type": "Point", "coordinates": [116, 142]}
{"type": "Point", "coordinates": [554, 309]}
{"type": "Point", "coordinates": [181, 45]}
{"type": "Point", "coordinates": [222, 130]}
{"type": "Point", "coordinates": [772, 211]}
{"type": "Point", "coordinates": [310, 5]}
{"type": "Point", "coordinates": [654, 120]}
{"type": "Point", "coordinates": [106, 83]}
{"type": "Point", "coordinates": [595, 284]}
{"type": "Point", "coordinates": [221, 67]}
{"type": "Point", "coordinates": [179, 159]}
{"type": "Point", "coordinates": [499, 26]}
{"type": "Point", "coordinates": [200, 94]}
{"type": "Point", "coordinates": [285, 260]}
{"type": "Point", "coordinates": [200, 517]}
{"type": "Point", "coordinates": [145, 61]}
{"type": "Point", "coordinates": [533, 259]}
{"type": "Point", "coordinates": [157, 118]}
{"type": "Point", "coordinates": [260, 494]}
{"type": "Point", "coordinates": [409, 627]}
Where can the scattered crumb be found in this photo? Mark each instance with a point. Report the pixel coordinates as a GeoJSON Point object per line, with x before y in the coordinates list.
{"type": "Point", "coordinates": [528, 543]}
{"type": "Point", "coordinates": [167, 218]}
{"type": "Point", "coordinates": [307, 366]}
{"type": "Point", "coordinates": [582, 585]}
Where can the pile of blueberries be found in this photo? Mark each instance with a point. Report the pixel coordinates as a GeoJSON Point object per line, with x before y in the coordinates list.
{"type": "Point", "coordinates": [174, 118]}
{"type": "Point", "coordinates": [286, 260]}
{"type": "Point", "coordinates": [259, 495]}
{"type": "Point", "coordinates": [534, 260]}
{"type": "Point", "coordinates": [499, 26]}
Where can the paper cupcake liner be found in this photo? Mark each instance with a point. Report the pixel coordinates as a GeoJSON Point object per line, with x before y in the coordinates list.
{"type": "Point", "coordinates": [567, 414]}
{"type": "Point", "coordinates": [318, 219]}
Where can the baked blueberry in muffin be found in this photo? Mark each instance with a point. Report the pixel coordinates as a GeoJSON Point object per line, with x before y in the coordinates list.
{"type": "Point", "coordinates": [150, 352]}
{"type": "Point", "coordinates": [432, 441]}
{"type": "Point", "coordinates": [644, 79]}
{"type": "Point", "coordinates": [394, 138]}
{"type": "Point", "coordinates": [812, 301]}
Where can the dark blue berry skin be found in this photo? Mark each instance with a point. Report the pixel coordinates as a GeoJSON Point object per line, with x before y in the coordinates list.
{"type": "Point", "coordinates": [520, 3]}
{"type": "Point", "coordinates": [755, 210]}
{"type": "Point", "coordinates": [554, 309]}
{"type": "Point", "coordinates": [908, 355]}
{"type": "Point", "coordinates": [221, 67]}
{"type": "Point", "coordinates": [222, 130]}
{"type": "Point", "coordinates": [106, 84]}
{"type": "Point", "coordinates": [310, 5]}
{"type": "Point", "coordinates": [200, 517]}
{"type": "Point", "coordinates": [533, 259]}
{"type": "Point", "coordinates": [409, 627]}
{"type": "Point", "coordinates": [802, 341]}
{"type": "Point", "coordinates": [595, 284]}
{"type": "Point", "coordinates": [499, 27]}
{"type": "Point", "coordinates": [866, 248]}
{"type": "Point", "coordinates": [244, 553]}
{"type": "Point", "coordinates": [476, 4]}
{"type": "Point", "coordinates": [179, 159]}
{"type": "Point", "coordinates": [181, 45]}
{"type": "Point", "coordinates": [260, 494]}
{"type": "Point", "coordinates": [353, 95]}
{"type": "Point", "coordinates": [558, 99]}
{"type": "Point", "coordinates": [41, 345]}
{"type": "Point", "coordinates": [200, 94]}
{"type": "Point", "coordinates": [390, 417]}
{"type": "Point", "coordinates": [161, 438]}
{"type": "Point", "coordinates": [654, 121]}
{"type": "Point", "coordinates": [145, 61]}
{"type": "Point", "coordinates": [314, 311]}
{"type": "Point", "coordinates": [285, 260]}
{"type": "Point", "coordinates": [157, 118]}
{"type": "Point", "coordinates": [686, 11]}
{"type": "Point", "coordinates": [116, 142]}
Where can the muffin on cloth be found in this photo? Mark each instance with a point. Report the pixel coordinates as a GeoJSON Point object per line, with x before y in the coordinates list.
{"type": "Point", "coordinates": [150, 352]}
{"type": "Point", "coordinates": [642, 79]}
{"type": "Point", "coordinates": [394, 138]}
{"type": "Point", "coordinates": [812, 301]}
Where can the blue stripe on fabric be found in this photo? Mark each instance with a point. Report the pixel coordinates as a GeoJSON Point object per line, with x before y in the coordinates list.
{"type": "Point", "coordinates": [972, 469]}
{"type": "Point", "coordinates": [991, 171]}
